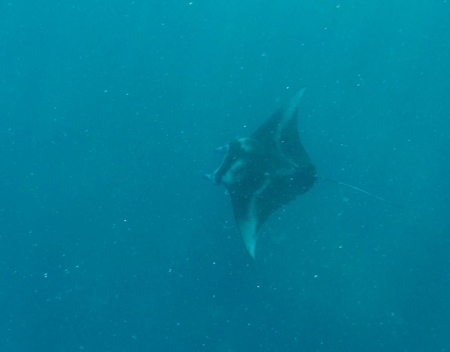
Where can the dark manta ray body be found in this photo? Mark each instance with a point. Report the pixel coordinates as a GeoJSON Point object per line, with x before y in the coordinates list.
{"type": "Point", "coordinates": [265, 171]}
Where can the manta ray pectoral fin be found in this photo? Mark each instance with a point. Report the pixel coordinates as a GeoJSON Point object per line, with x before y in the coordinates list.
{"type": "Point", "coordinates": [293, 103]}
{"type": "Point", "coordinates": [252, 210]}
{"type": "Point", "coordinates": [250, 238]}
{"type": "Point", "coordinates": [250, 235]}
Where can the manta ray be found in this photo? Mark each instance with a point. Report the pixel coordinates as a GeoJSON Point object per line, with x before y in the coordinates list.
{"type": "Point", "coordinates": [265, 171]}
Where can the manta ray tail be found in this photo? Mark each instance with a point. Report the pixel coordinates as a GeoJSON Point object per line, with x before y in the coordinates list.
{"type": "Point", "coordinates": [360, 190]}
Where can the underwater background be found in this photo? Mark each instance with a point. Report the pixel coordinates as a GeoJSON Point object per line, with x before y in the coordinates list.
{"type": "Point", "coordinates": [110, 240]}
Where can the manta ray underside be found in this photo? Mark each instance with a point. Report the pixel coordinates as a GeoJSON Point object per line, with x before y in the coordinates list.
{"type": "Point", "coordinates": [265, 171]}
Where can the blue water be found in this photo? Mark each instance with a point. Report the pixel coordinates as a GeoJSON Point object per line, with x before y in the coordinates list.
{"type": "Point", "coordinates": [111, 241]}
